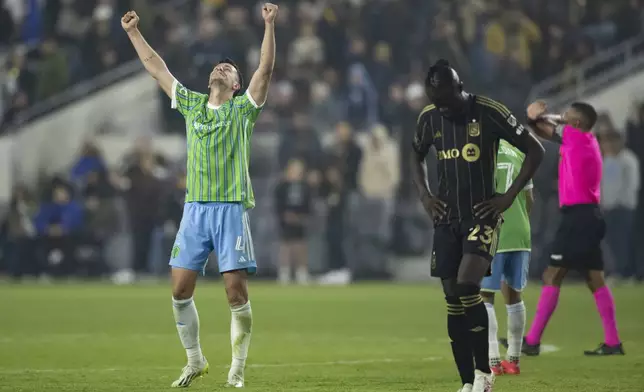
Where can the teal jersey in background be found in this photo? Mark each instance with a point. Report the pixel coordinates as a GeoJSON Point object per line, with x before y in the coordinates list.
{"type": "Point", "coordinates": [218, 144]}
{"type": "Point", "coordinates": [515, 230]}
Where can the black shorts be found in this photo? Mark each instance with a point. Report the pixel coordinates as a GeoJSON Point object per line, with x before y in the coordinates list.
{"type": "Point", "coordinates": [577, 244]}
{"type": "Point", "coordinates": [455, 239]}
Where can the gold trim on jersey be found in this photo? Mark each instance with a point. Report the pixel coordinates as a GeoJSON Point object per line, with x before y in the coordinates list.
{"type": "Point", "coordinates": [425, 110]}
{"type": "Point", "coordinates": [499, 107]}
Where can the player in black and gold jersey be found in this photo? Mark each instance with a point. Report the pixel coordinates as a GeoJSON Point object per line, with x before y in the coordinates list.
{"type": "Point", "coordinates": [465, 130]}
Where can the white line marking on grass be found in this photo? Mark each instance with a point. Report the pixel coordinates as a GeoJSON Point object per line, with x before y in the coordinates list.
{"type": "Point", "coordinates": [548, 348]}
{"type": "Point", "coordinates": [356, 362]}
{"type": "Point", "coordinates": [69, 337]}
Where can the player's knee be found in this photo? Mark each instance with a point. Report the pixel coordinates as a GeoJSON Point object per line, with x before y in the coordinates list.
{"type": "Point", "coordinates": [181, 292]}
{"type": "Point", "coordinates": [469, 294]}
{"type": "Point", "coordinates": [236, 292]}
{"type": "Point", "coordinates": [553, 277]}
{"type": "Point", "coordinates": [595, 280]}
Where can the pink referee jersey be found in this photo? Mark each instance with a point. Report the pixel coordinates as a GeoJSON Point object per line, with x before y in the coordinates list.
{"type": "Point", "coordinates": [580, 168]}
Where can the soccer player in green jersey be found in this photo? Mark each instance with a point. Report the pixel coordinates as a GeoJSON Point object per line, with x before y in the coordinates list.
{"type": "Point", "coordinates": [219, 126]}
{"type": "Point", "coordinates": [510, 265]}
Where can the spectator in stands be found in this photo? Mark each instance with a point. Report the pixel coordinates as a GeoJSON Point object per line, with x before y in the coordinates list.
{"type": "Point", "coordinates": [241, 38]}
{"type": "Point", "coordinates": [629, 20]}
{"type": "Point", "coordinates": [101, 222]}
{"type": "Point", "coordinates": [326, 107]}
{"type": "Point", "coordinates": [336, 197]}
{"type": "Point", "coordinates": [306, 51]}
{"type": "Point", "coordinates": [169, 219]}
{"type": "Point", "coordinates": [362, 99]}
{"type": "Point", "coordinates": [635, 142]}
{"type": "Point", "coordinates": [7, 25]}
{"type": "Point", "coordinates": [211, 46]}
{"type": "Point", "coordinates": [381, 69]}
{"type": "Point", "coordinates": [620, 188]}
{"type": "Point", "coordinates": [293, 207]}
{"type": "Point", "coordinates": [19, 233]}
{"type": "Point", "coordinates": [53, 70]}
{"type": "Point", "coordinates": [143, 201]}
{"type": "Point", "coordinates": [89, 162]}
{"type": "Point", "coordinates": [58, 223]}
{"type": "Point", "coordinates": [19, 87]}
{"type": "Point", "coordinates": [345, 156]}
{"type": "Point", "coordinates": [300, 141]}
{"type": "Point", "coordinates": [378, 178]}
{"type": "Point", "coordinates": [600, 26]}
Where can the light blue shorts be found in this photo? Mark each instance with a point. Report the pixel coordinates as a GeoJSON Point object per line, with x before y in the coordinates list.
{"type": "Point", "coordinates": [223, 228]}
{"type": "Point", "coordinates": [510, 267]}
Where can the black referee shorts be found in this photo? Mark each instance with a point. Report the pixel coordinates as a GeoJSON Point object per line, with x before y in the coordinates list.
{"type": "Point", "coordinates": [455, 239]}
{"type": "Point", "coordinates": [577, 244]}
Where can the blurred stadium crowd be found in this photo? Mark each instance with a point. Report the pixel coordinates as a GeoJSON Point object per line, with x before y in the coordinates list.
{"type": "Point", "coordinates": [344, 101]}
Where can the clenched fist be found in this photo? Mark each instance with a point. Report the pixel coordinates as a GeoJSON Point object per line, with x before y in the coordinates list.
{"type": "Point", "coordinates": [130, 21]}
{"type": "Point", "coordinates": [269, 12]}
{"type": "Point", "coordinates": [536, 109]}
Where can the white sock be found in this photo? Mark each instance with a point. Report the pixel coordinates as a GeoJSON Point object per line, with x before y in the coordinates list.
{"type": "Point", "coordinates": [284, 274]}
{"type": "Point", "coordinates": [493, 329]}
{"type": "Point", "coordinates": [241, 326]}
{"type": "Point", "coordinates": [187, 320]}
{"type": "Point", "coordinates": [516, 329]}
{"type": "Point", "coordinates": [302, 275]}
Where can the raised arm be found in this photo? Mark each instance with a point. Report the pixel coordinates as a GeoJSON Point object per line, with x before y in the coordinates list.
{"type": "Point", "coordinates": [152, 62]}
{"type": "Point", "coordinates": [544, 125]}
{"type": "Point", "coordinates": [258, 87]}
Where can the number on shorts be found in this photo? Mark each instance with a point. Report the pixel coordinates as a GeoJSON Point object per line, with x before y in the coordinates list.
{"type": "Point", "coordinates": [486, 237]}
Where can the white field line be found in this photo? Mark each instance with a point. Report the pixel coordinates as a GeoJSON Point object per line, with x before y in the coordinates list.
{"type": "Point", "coordinates": [356, 362]}
{"type": "Point", "coordinates": [63, 338]}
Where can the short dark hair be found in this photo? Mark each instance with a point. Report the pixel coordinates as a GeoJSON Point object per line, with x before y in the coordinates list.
{"type": "Point", "coordinates": [588, 114]}
{"type": "Point", "coordinates": [441, 73]}
{"type": "Point", "coordinates": [239, 74]}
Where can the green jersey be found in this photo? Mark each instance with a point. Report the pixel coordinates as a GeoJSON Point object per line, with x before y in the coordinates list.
{"type": "Point", "coordinates": [515, 231]}
{"type": "Point", "coordinates": [218, 142]}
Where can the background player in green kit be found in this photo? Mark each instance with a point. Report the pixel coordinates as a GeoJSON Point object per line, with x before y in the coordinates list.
{"type": "Point", "coordinates": [510, 265]}
{"type": "Point", "coordinates": [219, 126]}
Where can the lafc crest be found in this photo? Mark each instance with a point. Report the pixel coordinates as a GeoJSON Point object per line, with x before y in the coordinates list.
{"type": "Point", "coordinates": [474, 129]}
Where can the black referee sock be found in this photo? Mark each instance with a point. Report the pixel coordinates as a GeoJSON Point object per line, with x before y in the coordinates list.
{"type": "Point", "coordinates": [478, 328]}
{"type": "Point", "coordinates": [458, 331]}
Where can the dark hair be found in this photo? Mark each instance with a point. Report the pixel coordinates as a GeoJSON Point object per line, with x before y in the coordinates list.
{"type": "Point", "coordinates": [441, 73]}
{"type": "Point", "coordinates": [240, 90]}
{"type": "Point", "coordinates": [588, 114]}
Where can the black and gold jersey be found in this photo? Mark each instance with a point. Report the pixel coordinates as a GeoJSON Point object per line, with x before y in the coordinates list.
{"type": "Point", "coordinates": [466, 148]}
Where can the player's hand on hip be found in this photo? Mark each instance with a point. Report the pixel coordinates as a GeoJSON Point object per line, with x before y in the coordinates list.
{"type": "Point", "coordinates": [269, 12]}
{"type": "Point", "coordinates": [493, 207]}
{"type": "Point", "coordinates": [130, 21]}
{"type": "Point", "coordinates": [536, 109]}
{"type": "Point", "coordinates": [435, 207]}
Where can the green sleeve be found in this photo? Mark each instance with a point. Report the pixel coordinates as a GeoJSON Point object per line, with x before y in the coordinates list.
{"type": "Point", "coordinates": [183, 99]}
{"type": "Point", "coordinates": [248, 107]}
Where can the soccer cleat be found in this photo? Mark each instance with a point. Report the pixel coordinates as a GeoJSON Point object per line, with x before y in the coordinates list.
{"type": "Point", "coordinates": [190, 374]}
{"type": "Point", "coordinates": [511, 368]}
{"type": "Point", "coordinates": [466, 388]}
{"type": "Point", "coordinates": [235, 381]}
{"type": "Point", "coordinates": [497, 370]}
{"type": "Point", "coordinates": [605, 349]}
{"type": "Point", "coordinates": [531, 350]}
{"type": "Point", "coordinates": [483, 382]}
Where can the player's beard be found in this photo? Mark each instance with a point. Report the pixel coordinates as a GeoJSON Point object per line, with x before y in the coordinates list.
{"type": "Point", "coordinates": [216, 82]}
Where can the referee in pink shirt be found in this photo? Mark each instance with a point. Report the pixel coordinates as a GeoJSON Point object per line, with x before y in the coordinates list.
{"type": "Point", "coordinates": [577, 243]}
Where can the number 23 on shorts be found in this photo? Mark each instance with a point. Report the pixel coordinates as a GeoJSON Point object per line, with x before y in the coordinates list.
{"type": "Point", "coordinates": [486, 237]}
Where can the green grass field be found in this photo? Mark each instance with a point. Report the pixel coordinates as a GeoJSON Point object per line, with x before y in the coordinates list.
{"type": "Point", "coordinates": [371, 337]}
